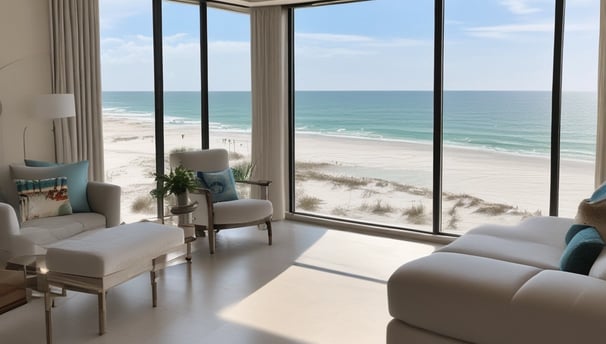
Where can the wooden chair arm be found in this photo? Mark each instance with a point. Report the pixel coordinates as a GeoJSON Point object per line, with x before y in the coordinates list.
{"type": "Point", "coordinates": [255, 182]}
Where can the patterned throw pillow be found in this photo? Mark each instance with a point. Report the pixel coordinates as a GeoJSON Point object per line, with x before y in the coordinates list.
{"type": "Point", "coordinates": [221, 184]}
{"type": "Point", "coordinates": [43, 198]}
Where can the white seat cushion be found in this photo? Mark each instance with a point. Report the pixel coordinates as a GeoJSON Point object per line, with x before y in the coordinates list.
{"type": "Point", "coordinates": [242, 211]}
{"type": "Point", "coordinates": [48, 230]}
{"type": "Point", "coordinates": [101, 252]}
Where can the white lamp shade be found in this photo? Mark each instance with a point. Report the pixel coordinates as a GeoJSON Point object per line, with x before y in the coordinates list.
{"type": "Point", "coordinates": [53, 106]}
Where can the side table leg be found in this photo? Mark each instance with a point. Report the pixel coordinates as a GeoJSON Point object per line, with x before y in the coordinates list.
{"type": "Point", "coordinates": [188, 254]}
{"type": "Point", "coordinates": [47, 314]}
{"type": "Point", "coordinates": [154, 283]}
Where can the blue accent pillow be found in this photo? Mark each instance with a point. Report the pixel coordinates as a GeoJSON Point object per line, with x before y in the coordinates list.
{"type": "Point", "coordinates": [39, 163]}
{"type": "Point", "coordinates": [221, 184]}
{"type": "Point", "coordinates": [582, 251]}
{"type": "Point", "coordinates": [574, 229]}
{"type": "Point", "coordinates": [77, 180]}
{"type": "Point", "coordinates": [599, 194]}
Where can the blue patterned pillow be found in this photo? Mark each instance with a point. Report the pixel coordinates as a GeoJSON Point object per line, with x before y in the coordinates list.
{"type": "Point", "coordinates": [76, 173]}
{"type": "Point", "coordinates": [43, 198]}
{"type": "Point", "coordinates": [221, 184]}
{"type": "Point", "coordinates": [582, 251]}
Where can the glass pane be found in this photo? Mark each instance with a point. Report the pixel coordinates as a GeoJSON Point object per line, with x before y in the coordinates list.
{"type": "Point", "coordinates": [363, 112]}
{"type": "Point", "coordinates": [497, 112]}
{"type": "Point", "coordinates": [579, 104]}
{"type": "Point", "coordinates": [230, 109]}
{"type": "Point", "coordinates": [128, 106]}
{"type": "Point", "coordinates": [181, 53]}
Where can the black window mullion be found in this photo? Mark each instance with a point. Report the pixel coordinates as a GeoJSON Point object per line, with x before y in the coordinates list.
{"type": "Point", "coordinates": [291, 109]}
{"type": "Point", "coordinates": [556, 106]}
{"type": "Point", "coordinates": [438, 113]}
{"type": "Point", "coordinates": [158, 97]}
{"type": "Point", "coordinates": [204, 115]}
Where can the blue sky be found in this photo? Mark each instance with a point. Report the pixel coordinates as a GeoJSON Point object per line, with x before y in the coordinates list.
{"type": "Point", "coordinates": [374, 45]}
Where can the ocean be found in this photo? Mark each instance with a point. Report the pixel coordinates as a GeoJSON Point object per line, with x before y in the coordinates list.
{"type": "Point", "coordinates": [517, 122]}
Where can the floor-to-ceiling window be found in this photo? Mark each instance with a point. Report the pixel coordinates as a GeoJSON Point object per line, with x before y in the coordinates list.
{"type": "Point", "coordinates": [128, 103]}
{"type": "Point", "coordinates": [229, 98]}
{"type": "Point", "coordinates": [579, 104]}
{"type": "Point", "coordinates": [498, 60]}
{"type": "Point", "coordinates": [363, 112]}
{"type": "Point", "coordinates": [499, 100]}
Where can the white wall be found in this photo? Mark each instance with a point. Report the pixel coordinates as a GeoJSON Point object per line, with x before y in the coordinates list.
{"type": "Point", "coordinates": [24, 38]}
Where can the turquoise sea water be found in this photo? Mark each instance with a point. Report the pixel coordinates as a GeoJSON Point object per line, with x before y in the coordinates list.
{"type": "Point", "coordinates": [507, 121]}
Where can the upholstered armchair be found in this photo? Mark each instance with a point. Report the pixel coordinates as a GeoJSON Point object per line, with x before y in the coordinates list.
{"type": "Point", "coordinates": [213, 213]}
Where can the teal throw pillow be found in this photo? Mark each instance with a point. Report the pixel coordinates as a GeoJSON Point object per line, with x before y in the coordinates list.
{"type": "Point", "coordinates": [39, 163]}
{"type": "Point", "coordinates": [221, 184]}
{"type": "Point", "coordinates": [43, 198]}
{"type": "Point", "coordinates": [77, 180]}
{"type": "Point", "coordinates": [582, 251]}
{"type": "Point", "coordinates": [574, 229]}
{"type": "Point", "coordinates": [599, 194]}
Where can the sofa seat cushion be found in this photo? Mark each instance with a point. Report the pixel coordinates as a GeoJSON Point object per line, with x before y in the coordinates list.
{"type": "Point", "coordinates": [559, 307]}
{"type": "Point", "coordinates": [51, 229]}
{"type": "Point", "coordinates": [101, 252]}
{"type": "Point", "coordinates": [459, 296]}
{"type": "Point", "coordinates": [241, 211]}
{"type": "Point", "coordinates": [537, 242]}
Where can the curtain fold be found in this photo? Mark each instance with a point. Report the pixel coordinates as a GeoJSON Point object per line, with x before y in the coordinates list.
{"type": "Point", "coordinates": [76, 68]}
{"type": "Point", "coordinates": [269, 44]}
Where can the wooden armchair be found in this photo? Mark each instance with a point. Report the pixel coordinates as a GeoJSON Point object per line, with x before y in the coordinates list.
{"type": "Point", "coordinates": [211, 216]}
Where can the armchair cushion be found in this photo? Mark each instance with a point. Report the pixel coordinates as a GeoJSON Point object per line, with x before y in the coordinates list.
{"type": "Point", "coordinates": [221, 184]}
{"type": "Point", "coordinates": [241, 211]}
{"type": "Point", "coordinates": [43, 198]}
{"type": "Point", "coordinates": [77, 180]}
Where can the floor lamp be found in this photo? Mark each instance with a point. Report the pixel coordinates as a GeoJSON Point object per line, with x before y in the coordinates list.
{"type": "Point", "coordinates": [53, 106]}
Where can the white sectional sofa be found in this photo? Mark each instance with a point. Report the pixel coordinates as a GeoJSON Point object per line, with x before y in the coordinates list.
{"type": "Point", "coordinates": [499, 284]}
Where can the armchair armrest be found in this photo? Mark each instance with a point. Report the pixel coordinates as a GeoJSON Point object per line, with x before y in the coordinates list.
{"type": "Point", "coordinates": [262, 184]}
{"type": "Point", "coordinates": [104, 198]}
{"type": "Point", "coordinates": [203, 214]}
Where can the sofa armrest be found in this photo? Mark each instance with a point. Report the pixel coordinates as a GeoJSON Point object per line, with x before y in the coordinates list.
{"type": "Point", "coordinates": [104, 198]}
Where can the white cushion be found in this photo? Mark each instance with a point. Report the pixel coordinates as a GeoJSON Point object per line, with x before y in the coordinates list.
{"type": "Point", "coordinates": [537, 242]}
{"type": "Point", "coordinates": [242, 211]}
{"type": "Point", "coordinates": [101, 252]}
{"type": "Point", "coordinates": [458, 295]}
{"type": "Point", "coordinates": [51, 229]}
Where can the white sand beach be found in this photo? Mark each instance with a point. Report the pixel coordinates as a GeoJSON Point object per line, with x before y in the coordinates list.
{"type": "Point", "coordinates": [368, 180]}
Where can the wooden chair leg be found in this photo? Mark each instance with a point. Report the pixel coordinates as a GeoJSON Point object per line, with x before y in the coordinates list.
{"type": "Point", "coordinates": [47, 314]}
{"type": "Point", "coordinates": [102, 305]}
{"type": "Point", "coordinates": [268, 223]}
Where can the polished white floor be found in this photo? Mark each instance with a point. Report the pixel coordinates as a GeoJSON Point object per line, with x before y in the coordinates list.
{"type": "Point", "coordinates": [312, 286]}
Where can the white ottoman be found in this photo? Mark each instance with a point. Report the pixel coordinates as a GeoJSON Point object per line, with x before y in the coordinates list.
{"type": "Point", "coordinates": [98, 260]}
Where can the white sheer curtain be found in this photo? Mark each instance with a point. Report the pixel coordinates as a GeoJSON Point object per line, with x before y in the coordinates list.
{"type": "Point", "coordinates": [269, 43]}
{"type": "Point", "coordinates": [75, 67]}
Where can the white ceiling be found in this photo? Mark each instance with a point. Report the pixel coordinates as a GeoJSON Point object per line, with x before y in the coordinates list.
{"type": "Point", "coordinates": [262, 3]}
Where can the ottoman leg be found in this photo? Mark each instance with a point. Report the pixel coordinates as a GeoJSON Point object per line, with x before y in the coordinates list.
{"type": "Point", "coordinates": [154, 283]}
{"type": "Point", "coordinates": [102, 312]}
{"type": "Point", "coordinates": [47, 314]}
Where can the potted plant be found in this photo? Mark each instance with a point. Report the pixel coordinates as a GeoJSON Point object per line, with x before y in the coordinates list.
{"type": "Point", "coordinates": [177, 182]}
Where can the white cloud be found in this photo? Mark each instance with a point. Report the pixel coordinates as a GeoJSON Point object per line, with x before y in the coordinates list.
{"type": "Point", "coordinates": [504, 31]}
{"type": "Point", "coordinates": [127, 63]}
{"type": "Point", "coordinates": [519, 7]}
{"type": "Point", "coordinates": [112, 12]}
{"type": "Point", "coordinates": [330, 37]}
